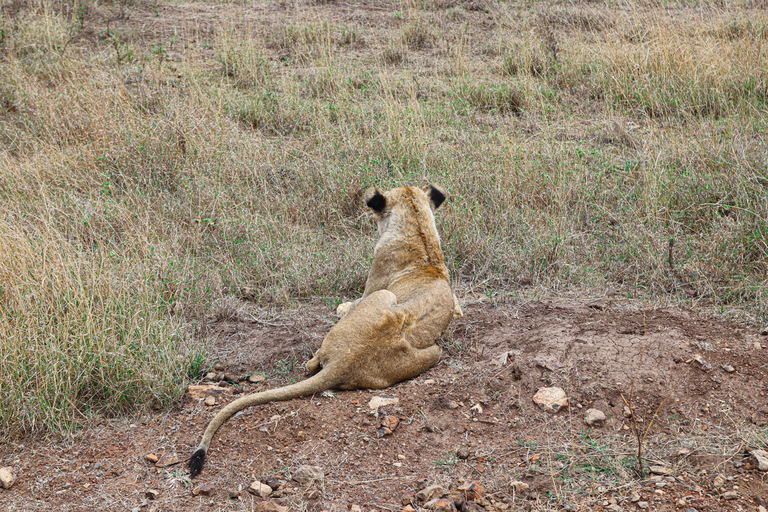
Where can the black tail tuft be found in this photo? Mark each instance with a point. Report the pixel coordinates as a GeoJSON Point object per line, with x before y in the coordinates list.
{"type": "Point", "coordinates": [196, 463]}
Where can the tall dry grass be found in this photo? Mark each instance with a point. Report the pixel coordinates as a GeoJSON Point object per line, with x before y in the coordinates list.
{"type": "Point", "coordinates": [147, 172]}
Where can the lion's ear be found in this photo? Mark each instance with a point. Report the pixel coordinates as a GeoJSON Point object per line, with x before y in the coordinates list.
{"type": "Point", "coordinates": [375, 200]}
{"type": "Point", "coordinates": [436, 195]}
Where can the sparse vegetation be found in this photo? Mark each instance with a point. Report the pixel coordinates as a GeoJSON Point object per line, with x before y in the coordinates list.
{"type": "Point", "coordinates": [146, 175]}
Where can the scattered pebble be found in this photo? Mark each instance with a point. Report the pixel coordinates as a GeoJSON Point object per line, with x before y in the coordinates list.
{"type": "Point", "coordinates": [594, 417]}
{"type": "Point", "coordinates": [727, 368]}
{"type": "Point", "coordinates": [168, 459]}
{"type": "Point", "coordinates": [471, 490]}
{"type": "Point", "coordinates": [256, 378]}
{"type": "Point", "coordinates": [730, 495]}
{"type": "Point", "coordinates": [431, 492]}
{"type": "Point", "coordinates": [152, 494]}
{"type": "Point", "coordinates": [660, 470]}
{"type": "Point", "coordinates": [551, 399]}
{"type": "Point", "coordinates": [306, 475]}
{"type": "Point", "coordinates": [381, 401]}
{"type": "Point", "coordinates": [440, 505]}
{"type": "Point", "coordinates": [260, 489]}
{"type": "Point", "coordinates": [7, 477]}
{"type": "Point", "coordinates": [210, 400]}
{"type": "Point", "coordinates": [462, 453]}
{"type": "Point", "coordinates": [643, 505]}
{"type": "Point", "coordinates": [719, 481]}
{"type": "Point", "coordinates": [269, 506]}
{"type": "Point", "coordinates": [388, 426]}
{"type": "Point", "coordinates": [759, 459]}
{"type": "Point", "coordinates": [204, 490]}
{"type": "Point", "coordinates": [151, 457]}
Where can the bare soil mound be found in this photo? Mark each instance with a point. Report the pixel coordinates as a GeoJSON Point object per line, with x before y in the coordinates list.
{"type": "Point", "coordinates": [697, 383]}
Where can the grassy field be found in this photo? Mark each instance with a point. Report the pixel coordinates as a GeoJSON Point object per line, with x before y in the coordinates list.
{"type": "Point", "coordinates": [156, 157]}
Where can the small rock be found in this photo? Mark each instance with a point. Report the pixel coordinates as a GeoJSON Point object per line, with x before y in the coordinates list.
{"type": "Point", "coordinates": [256, 378]}
{"type": "Point", "coordinates": [551, 399]}
{"type": "Point", "coordinates": [231, 495]}
{"type": "Point", "coordinates": [471, 490]}
{"type": "Point", "coordinates": [643, 505]}
{"type": "Point", "coordinates": [274, 483]}
{"type": "Point", "coordinates": [440, 505]}
{"type": "Point", "coordinates": [635, 498]}
{"type": "Point", "coordinates": [355, 508]}
{"type": "Point", "coordinates": [381, 401]}
{"type": "Point", "coordinates": [477, 409]}
{"type": "Point", "coordinates": [681, 503]}
{"type": "Point", "coordinates": [305, 475]}
{"type": "Point", "coordinates": [168, 459]}
{"type": "Point", "coordinates": [699, 360]}
{"type": "Point", "coordinates": [408, 508]}
{"type": "Point", "coordinates": [388, 426]}
{"type": "Point", "coordinates": [269, 506]}
{"type": "Point", "coordinates": [730, 495]}
{"type": "Point", "coordinates": [759, 459]}
{"type": "Point", "coordinates": [203, 490]}
{"type": "Point", "coordinates": [429, 382]}
{"type": "Point", "coordinates": [683, 452]}
{"type": "Point", "coordinates": [7, 478]}
{"type": "Point", "coordinates": [210, 376]}
{"type": "Point", "coordinates": [431, 492]}
{"type": "Point", "coordinates": [719, 481]}
{"type": "Point", "coordinates": [152, 494]}
{"type": "Point", "coordinates": [301, 436]}
{"type": "Point", "coordinates": [762, 509]}
{"type": "Point", "coordinates": [627, 412]}
{"type": "Point", "coordinates": [210, 400]}
{"type": "Point", "coordinates": [594, 417]}
{"type": "Point", "coordinates": [151, 457]}
{"type": "Point", "coordinates": [727, 368]}
{"type": "Point", "coordinates": [519, 486]}
{"type": "Point", "coordinates": [462, 453]}
{"type": "Point", "coordinates": [260, 489]}
{"type": "Point", "coordinates": [407, 498]}
{"type": "Point", "coordinates": [661, 470]}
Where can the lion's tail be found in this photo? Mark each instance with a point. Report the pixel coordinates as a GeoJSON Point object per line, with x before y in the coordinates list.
{"type": "Point", "coordinates": [314, 384]}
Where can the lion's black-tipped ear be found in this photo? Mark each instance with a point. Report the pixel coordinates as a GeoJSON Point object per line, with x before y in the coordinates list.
{"type": "Point", "coordinates": [375, 200]}
{"type": "Point", "coordinates": [436, 195]}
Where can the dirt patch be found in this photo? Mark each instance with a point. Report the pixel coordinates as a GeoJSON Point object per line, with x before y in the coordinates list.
{"type": "Point", "coordinates": [468, 419]}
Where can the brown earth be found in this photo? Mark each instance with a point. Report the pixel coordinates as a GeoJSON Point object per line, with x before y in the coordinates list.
{"type": "Point", "coordinates": [597, 352]}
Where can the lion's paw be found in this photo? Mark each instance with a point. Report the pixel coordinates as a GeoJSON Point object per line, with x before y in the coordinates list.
{"type": "Point", "coordinates": [343, 309]}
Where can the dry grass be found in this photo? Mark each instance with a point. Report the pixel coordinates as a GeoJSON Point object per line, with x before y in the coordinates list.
{"type": "Point", "coordinates": [148, 170]}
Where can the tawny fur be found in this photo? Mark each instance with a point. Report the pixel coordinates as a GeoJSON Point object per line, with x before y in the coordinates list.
{"type": "Point", "coordinates": [389, 334]}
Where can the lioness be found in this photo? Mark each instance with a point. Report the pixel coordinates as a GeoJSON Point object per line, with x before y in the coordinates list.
{"type": "Point", "coordinates": [389, 334]}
